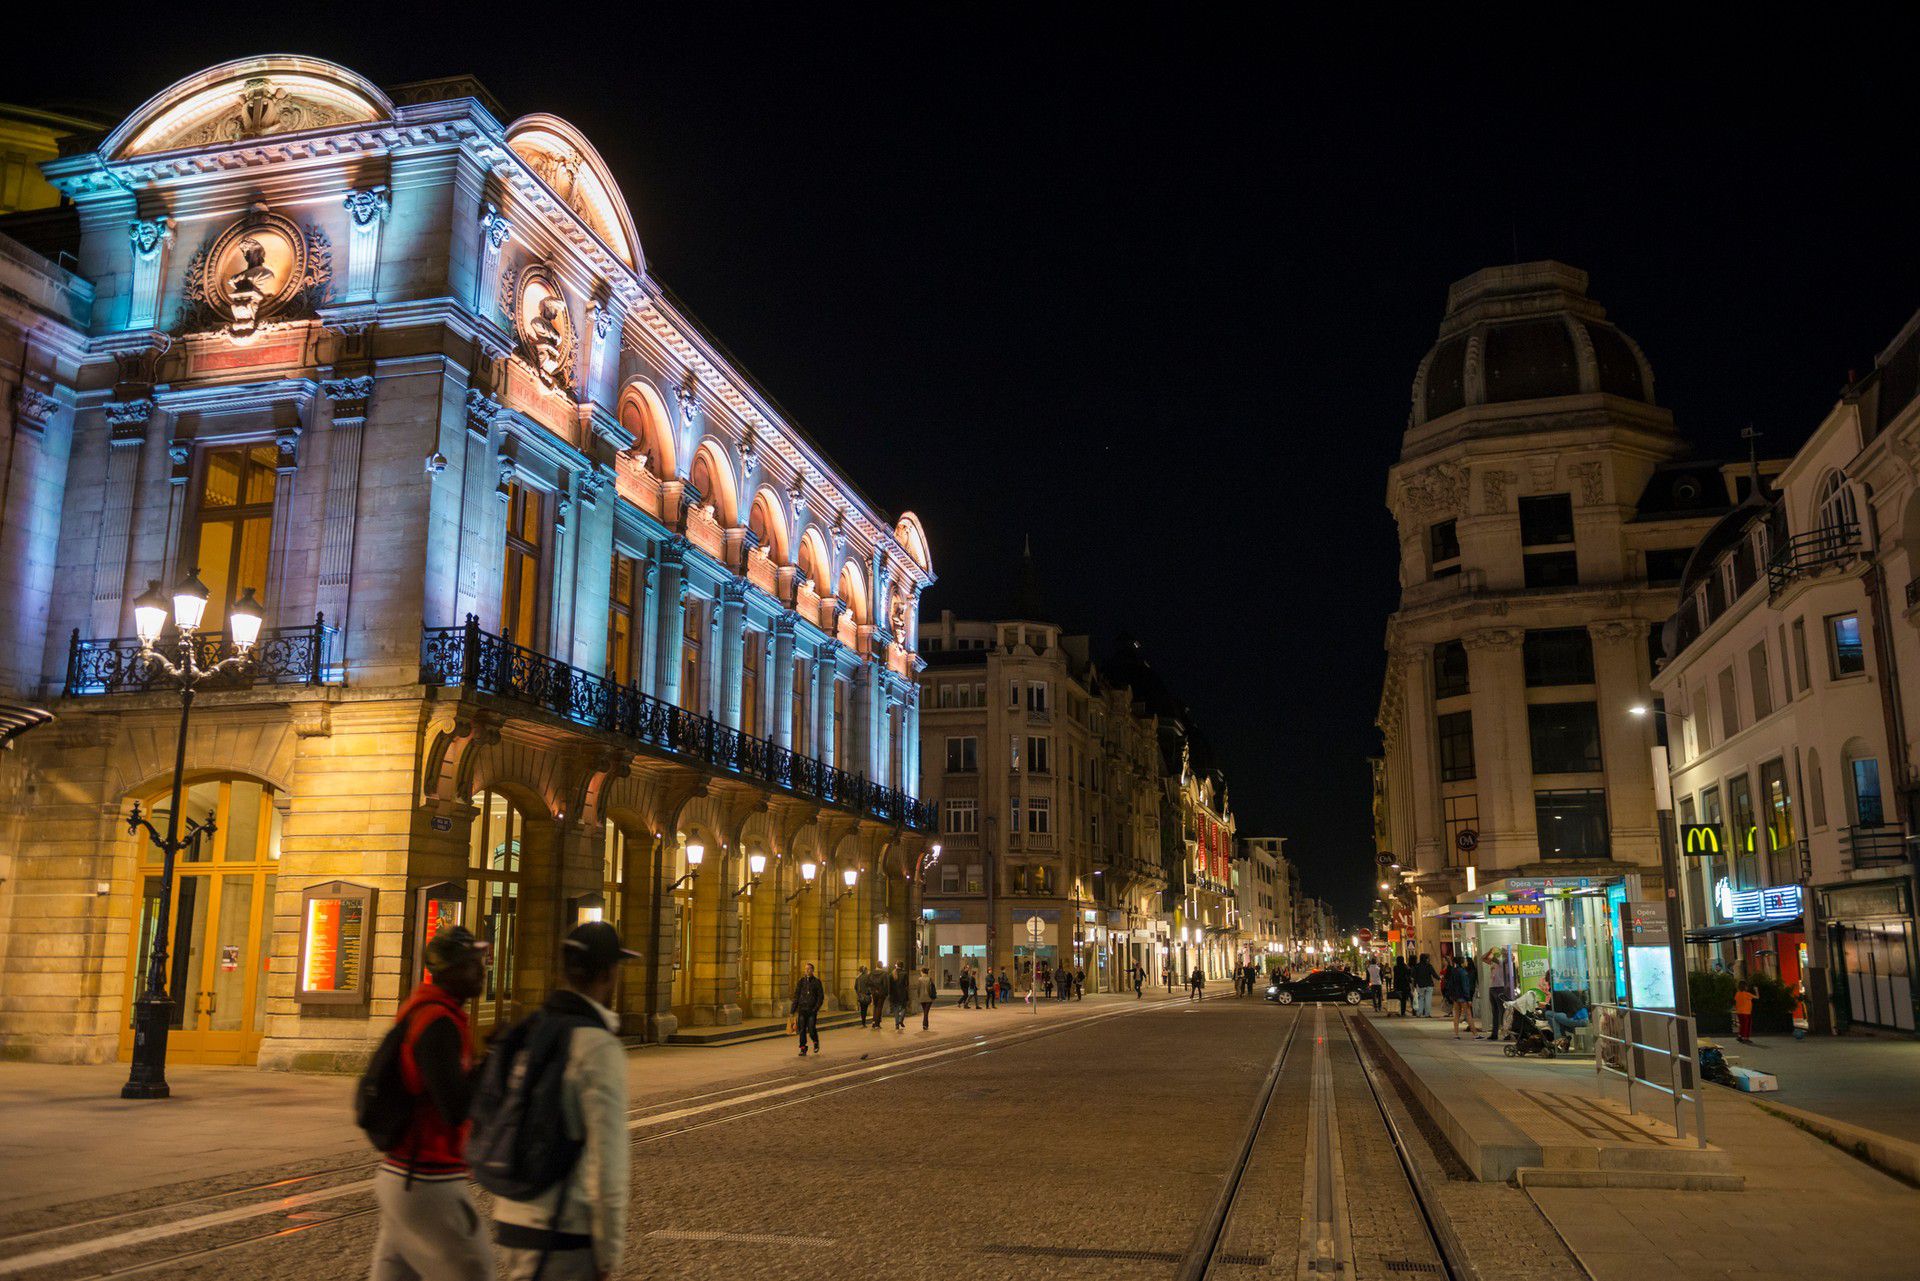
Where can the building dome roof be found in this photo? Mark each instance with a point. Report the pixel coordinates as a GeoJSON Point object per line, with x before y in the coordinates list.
{"type": "Point", "coordinates": [1523, 333]}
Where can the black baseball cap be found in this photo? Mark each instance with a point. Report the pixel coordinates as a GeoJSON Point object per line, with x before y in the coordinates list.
{"type": "Point", "coordinates": [451, 946]}
{"type": "Point", "coordinates": [598, 943]}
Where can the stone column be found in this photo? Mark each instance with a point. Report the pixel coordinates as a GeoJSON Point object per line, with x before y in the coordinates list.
{"type": "Point", "coordinates": [345, 434]}
{"type": "Point", "coordinates": [127, 432]}
{"type": "Point", "coordinates": [825, 675]}
{"type": "Point", "coordinates": [1626, 742]}
{"type": "Point", "coordinates": [286, 468]}
{"type": "Point", "coordinates": [733, 624]}
{"type": "Point", "coordinates": [671, 619]}
{"type": "Point", "coordinates": [151, 239]}
{"type": "Point", "coordinates": [716, 945]}
{"type": "Point", "coordinates": [636, 929]}
{"type": "Point", "coordinates": [657, 922]}
{"type": "Point", "coordinates": [782, 662]}
{"type": "Point", "coordinates": [1414, 668]}
{"type": "Point", "coordinates": [367, 211]}
{"type": "Point", "coordinates": [1502, 749]}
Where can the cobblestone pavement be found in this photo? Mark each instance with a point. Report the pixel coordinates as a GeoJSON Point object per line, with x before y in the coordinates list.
{"type": "Point", "coordinates": [1084, 1148]}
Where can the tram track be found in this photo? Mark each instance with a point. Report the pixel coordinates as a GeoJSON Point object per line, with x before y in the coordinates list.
{"type": "Point", "coordinates": [284, 1201]}
{"type": "Point", "coordinates": [1332, 1243]}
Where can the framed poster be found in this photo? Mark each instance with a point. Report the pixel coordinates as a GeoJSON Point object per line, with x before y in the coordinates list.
{"type": "Point", "coordinates": [336, 941]}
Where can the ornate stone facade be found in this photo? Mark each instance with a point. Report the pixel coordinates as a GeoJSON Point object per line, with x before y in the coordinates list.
{"type": "Point", "coordinates": [671, 687]}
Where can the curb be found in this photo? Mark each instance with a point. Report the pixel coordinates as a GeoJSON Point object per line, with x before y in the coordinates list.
{"type": "Point", "coordinates": [1893, 1157]}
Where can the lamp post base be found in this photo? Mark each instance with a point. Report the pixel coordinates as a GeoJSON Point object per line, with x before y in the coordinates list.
{"type": "Point", "coordinates": [152, 1019]}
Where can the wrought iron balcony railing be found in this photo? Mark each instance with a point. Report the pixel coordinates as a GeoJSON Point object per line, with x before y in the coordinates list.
{"type": "Point", "coordinates": [1810, 553]}
{"type": "Point", "coordinates": [1873, 845]}
{"type": "Point", "coordinates": [282, 656]}
{"type": "Point", "coordinates": [480, 660]}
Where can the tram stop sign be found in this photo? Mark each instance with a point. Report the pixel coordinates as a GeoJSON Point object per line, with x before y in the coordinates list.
{"type": "Point", "coordinates": [1035, 928]}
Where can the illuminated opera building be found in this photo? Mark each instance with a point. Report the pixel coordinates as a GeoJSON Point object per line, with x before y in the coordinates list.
{"type": "Point", "coordinates": [562, 618]}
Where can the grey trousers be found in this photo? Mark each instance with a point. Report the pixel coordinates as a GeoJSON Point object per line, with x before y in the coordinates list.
{"type": "Point", "coordinates": [562, 1265]}
{"type": "Point", "coordinates": [428, 1232]}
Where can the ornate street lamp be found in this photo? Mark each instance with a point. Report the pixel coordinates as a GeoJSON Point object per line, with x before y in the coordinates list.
{"type": "Point", "coordinates": [153, 1011]}
{"type": "Point", "coordinates": [756, 864]}
{"type": "Point", "coordinates": [848, 877]}
{"type": "Point", "coordinates": [808, 871]}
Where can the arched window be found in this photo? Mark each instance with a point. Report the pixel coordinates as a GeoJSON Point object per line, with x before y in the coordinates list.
{"type": "Point", "coordinates": [1836, 513]}
{"type": "Point", "coordinates": [646, 420]}
{"type": "Point", "coordinates": [813, 561]}
{"type": "Point", "coordinates": [768, 526]}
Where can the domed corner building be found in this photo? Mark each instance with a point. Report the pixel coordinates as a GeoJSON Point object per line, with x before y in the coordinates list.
{"type": "Point", "coordinates": [1546, 512]}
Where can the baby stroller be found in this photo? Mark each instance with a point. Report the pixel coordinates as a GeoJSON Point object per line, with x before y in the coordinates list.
{"type": "Point", "coordinates": [1530, 1036]}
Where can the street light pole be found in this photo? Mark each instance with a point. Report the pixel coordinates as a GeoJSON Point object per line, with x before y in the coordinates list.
{"type": "Point", "coordinates": [153, 1009]}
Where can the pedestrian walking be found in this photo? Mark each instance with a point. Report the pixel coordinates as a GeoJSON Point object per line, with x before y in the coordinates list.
{"type": "Point", "coordinates": [898, 989]}
{"type": "Point", "coordinates": [1139, 980]}
{"type": "Point", "coordinates": [923, 997]}
{"type": "Point", "coordinates": [992, 989]}
{"type": "Point", "coordinates": [422, 1080]}
{"type": "Point", "coordinates": [573, 1228]}
{"type": "Point", "coordinates": [1456, 985]}
{"type": "Point", "coordinates": [1080, 985]}
{"type": "Point", "coordinates": [809, 994]}
{"type": "Point", "coordinates": [863, 993]}
{"type": "Point", "coordinates": [1402, 983]}
{"type": "Point", "coordinates": [1743, 999]}
{"type": "Point", "coordinates": [1375, 981]}
{"type": "Point", "coordinates": [1196, 984]}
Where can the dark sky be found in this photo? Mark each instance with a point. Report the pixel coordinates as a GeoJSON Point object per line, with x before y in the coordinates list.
{"type": "Point", "coordinates": [1153, 292]}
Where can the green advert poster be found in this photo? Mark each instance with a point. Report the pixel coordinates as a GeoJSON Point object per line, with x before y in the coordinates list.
{"type": "Point", "coordinates": [1532, 962]}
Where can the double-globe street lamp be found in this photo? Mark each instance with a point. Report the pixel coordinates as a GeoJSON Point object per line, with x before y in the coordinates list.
{"type": "Point", "coordinates": [153, 1011]}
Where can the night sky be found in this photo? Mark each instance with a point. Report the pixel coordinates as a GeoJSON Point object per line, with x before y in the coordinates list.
{"type": "Point", "coordinates": [1152, 293]}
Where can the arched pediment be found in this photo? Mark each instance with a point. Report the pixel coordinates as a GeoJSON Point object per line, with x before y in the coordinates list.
{"type": "Point", "coordinates": [249, 98]}
{"type": "Point", "coordinates": [573, 170]}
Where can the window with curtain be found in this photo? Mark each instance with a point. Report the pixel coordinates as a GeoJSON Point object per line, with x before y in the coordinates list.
{"type": "Point", "coordinates": [620, 620]}
{"type": "Point", "coordinates": [233, 526]}
{"type": "Point", "coordinates": [520, 574]}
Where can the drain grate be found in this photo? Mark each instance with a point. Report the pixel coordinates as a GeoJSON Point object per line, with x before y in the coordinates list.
{"type": "Point", "coordinates": [1243, 1260]}
{"type": "Point", "coordinates": [1410, 1265]}
{"type": "Point", "coordinates": [1084, 1252]}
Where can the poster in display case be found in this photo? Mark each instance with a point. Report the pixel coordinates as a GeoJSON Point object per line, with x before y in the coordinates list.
{"type": "Point", "coordinates": [336, 942]}
{"type": "Point", "coordinates": [441, 906]}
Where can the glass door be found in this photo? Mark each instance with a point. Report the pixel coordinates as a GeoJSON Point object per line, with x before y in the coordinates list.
{"type": "Point", "coordinates": [218, 950]}
{"type": "Point", "coordinates": [493, 909]}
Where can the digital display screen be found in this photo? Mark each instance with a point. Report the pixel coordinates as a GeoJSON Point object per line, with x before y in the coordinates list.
{"type": "Point", "coordinates": [335, 945]}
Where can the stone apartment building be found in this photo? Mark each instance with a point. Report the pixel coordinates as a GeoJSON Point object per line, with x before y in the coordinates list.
{"type": "Point", "coordinates": [564, 618]}
{"type": "Point", "coordinates": [1045, 786]}
{"type": "Point", "coordinates": [1266, 914]}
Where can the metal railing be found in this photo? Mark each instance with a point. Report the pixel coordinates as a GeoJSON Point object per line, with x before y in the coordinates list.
{"type": "Point", "coordinates": [1811, 552]}
{"type": "Point", "coordinates": [1873, 845]}
{"type": "Point", "coordinates": [282, 656]}
{"type": "Point", "coordinates": [479, 660]}
{"type": "Point", "coordinates": [1647, 1048]}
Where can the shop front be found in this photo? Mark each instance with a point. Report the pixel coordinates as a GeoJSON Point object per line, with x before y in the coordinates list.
{"type": "Point", "coordinates": [1563, 926]}
{"type": "Point", "coordinates": [1870, 934]}
{"type": "Point", "coordinates": [1754, 932]}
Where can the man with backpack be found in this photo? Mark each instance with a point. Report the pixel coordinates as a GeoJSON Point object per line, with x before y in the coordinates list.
{"type": "Point", "coordinates": [413, 1103]}
{"type": "Point", "coordinates": [550, 1129]}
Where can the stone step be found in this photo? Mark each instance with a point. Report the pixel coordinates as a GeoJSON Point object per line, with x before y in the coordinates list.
{"type": "Point", "coordinates": [738, 1033]}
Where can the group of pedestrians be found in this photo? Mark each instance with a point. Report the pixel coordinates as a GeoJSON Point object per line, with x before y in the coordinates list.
{"type": "Point", "coordinates": [539, 1120]}
{"type": "Point", "coordinates": [900, 991]}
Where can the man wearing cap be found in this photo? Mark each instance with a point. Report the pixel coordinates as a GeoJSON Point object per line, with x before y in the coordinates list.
{"type": "Point", "coordinates": [576, 1230]}
{"type": "Point", "coordinates": [428, 1226]}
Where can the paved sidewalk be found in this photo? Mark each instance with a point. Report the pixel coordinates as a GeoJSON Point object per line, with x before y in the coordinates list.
{"type": "Point", "coordinates": [1807, 1209]}
{"type": "Point", "coordinates": [1871, 1082]}
{"type": "Point", "coordinates": [67, 1135]}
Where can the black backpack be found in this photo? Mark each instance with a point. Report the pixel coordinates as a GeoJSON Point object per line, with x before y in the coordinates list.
{"type": "Point", "coordinates": [381, 1105]}
{"type": "Point", "coordinates": [519, 1146]}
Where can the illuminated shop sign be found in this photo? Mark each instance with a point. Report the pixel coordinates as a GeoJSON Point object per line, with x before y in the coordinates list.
{"type": "Point", "coordinates": [1513, 909]}
{"type": "Point", "coordinates": [1700, 838]}
{"type": "Point", "coordinates": [1775, 903]}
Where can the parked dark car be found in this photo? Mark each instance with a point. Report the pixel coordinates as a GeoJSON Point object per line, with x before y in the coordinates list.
{"type": "Point", "coordinates": [1320, 985]}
